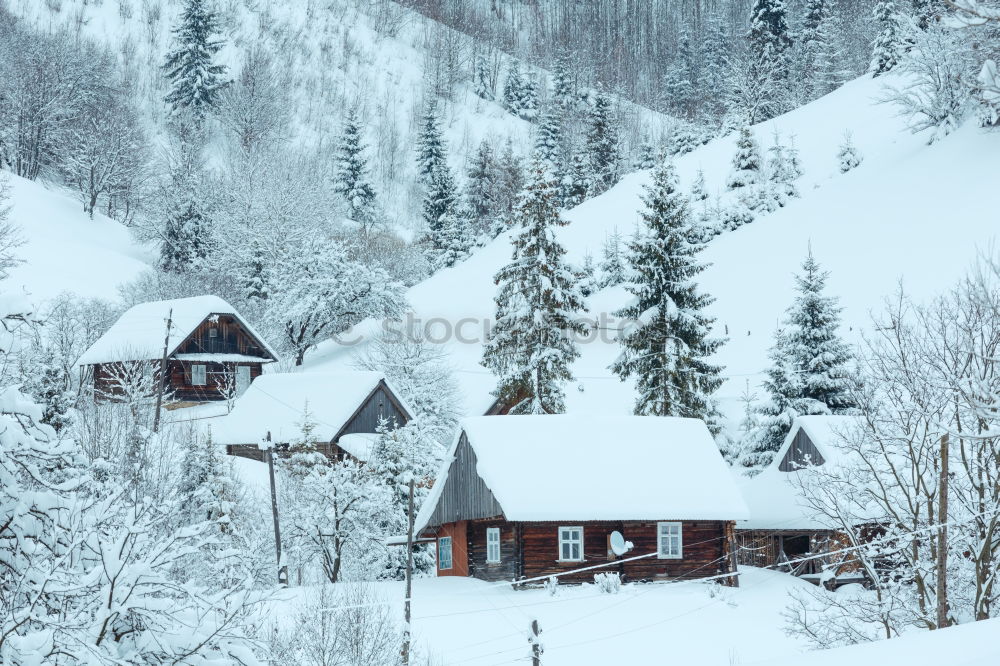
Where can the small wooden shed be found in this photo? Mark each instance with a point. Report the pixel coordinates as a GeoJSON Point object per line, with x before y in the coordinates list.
{"type": "Point", "coordinates": [782, 527]}
{"type": "Point", "coordinates": [212, 352]}
{"type": "Point", "coordinates": [346, 410]}
{"type": "Point", "coordinates": [521, 497]}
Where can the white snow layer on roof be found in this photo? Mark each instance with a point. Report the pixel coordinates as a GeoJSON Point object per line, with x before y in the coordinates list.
{"type": "Point", "coordinates": [775, 497]}
{"type": "Point", "coordinates": [276, 403]}
{"type": "Point", "coordinates": [572, 467]}
{"type": "Point", "coordinates": [359, 444]}
{"type": "Point", "coordinates": [138, 334]}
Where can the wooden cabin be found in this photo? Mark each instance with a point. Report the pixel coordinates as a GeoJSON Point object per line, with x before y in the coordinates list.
{"type": "Point", "coordinates": [782, 526]}
{"type": "Point", "coordinates": [522, 497]}
{"type": "Point", "coordinates": [345, 411]}
{"type": "Point", "coordinates": [212, 352]}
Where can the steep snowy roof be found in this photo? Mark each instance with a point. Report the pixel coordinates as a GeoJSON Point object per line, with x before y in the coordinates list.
{"type": "Point", "coordinates": [574, 467]}
{"type": "Point", "coordinates": [276, 402]}
{"type": "Point", "coordinates": [138, 334]}
{"type": "Point", "coordinates": [775, 497]}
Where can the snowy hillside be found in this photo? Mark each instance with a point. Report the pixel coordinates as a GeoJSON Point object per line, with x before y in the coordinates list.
{"type": "Point", "coordinates": [381, 59]}
{"type": "Point", "coordinates": [910, 212]}
{"type": "Point", "coordinates": [66, 250]}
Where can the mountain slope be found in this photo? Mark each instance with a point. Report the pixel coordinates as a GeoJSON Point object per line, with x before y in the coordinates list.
{"type": "Point", "coordinates": [909, 212]}
{"type": "Point", "coordinates": [65, 250]}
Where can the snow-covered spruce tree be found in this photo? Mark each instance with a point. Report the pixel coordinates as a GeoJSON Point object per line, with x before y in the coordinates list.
{"type": "Point", "coordinates": [480, 192]}
{"type": "Point", "coordinates": [781, 172]}
{"type": "Point", "coordinates": [982, 17]}
{"type": "Point", "coordinates": [769, 34]}
{"type": "Point", "coordinates": [667, 351]}
{"type": "Point", "coordinates": [602, 145]}
{"type": "Point", "coordinates": [776, 413]}
{"type": "Point", "coordinates": [549, 146]}
{"type": "Point", "coordinates": [679, 82]}
{"type": "Point", "coordinates": [454, 239]}
{"type": "Point", "coordinates": [647, 156]}
{"type": "Point", "coordinates": [351, 181]}
{"type": "Point", "coordinates": [440, 200]}
{"type": "Point", "coordinates": [431, 148]}
{"type": "Point", "coordinates": [823, 59]}
{"type": "Point", "coordinates": [562, 83]}
{"type": "Point", "coordinates": [195, 78]}
{"type": "Point", "coordinates": [848, 156]}
{"type": "Point", "coordinates": [699, 192]}
{"type": "Point", "coordinates": [810, 369]}
{"type": "Point", "coordinates": [820, 357]}
{"type": "Point", "coordinates": [747, 177]}
{"type": "Point", "coordinates": [576, 182]}
{"type": "Point", "coordinates": [586, 276]}
{"type": "Point", "coordinates": [531, 346]}
{"type": "Point", "coordinates": [715, 49]}
{"type": "Point", "coordinates": [186, 238]}
{"type": "Point", "coordinates": [889, 45]}
{"type": "Point", "coordinates": [613, 269]}
{"type": "Point", "coordinates": [510, 182]}
{"type": "Point", "coordinates": [515, 90]}
{"type": "Point", "coordinates": [481, 78]}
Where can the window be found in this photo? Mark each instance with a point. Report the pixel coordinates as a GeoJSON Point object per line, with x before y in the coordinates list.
{"type": "Point", "coordinates": [198, 375]}
{"type": "Point", "coordinates": [571, 544]}
{"type": "Point", "coordinates": [669, 543]}
{"type": "Point", "coordinates": [444, 553]}
{"type": "Point", "coordinates": [493, 545]}
{"type": "Point", "coordinates": [213, 332]}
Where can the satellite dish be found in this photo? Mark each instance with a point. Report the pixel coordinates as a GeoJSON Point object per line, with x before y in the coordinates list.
{"type": "Point", "coordinates": [619, 546]}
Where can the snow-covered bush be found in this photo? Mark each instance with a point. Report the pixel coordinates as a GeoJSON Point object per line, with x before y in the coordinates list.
{"type": "Point", "coordinates": [608, 582]}
{"type": "Point", "coordinates": [848, 155]}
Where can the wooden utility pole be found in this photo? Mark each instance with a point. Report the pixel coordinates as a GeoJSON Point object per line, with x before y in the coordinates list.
{"type": "Point", "coordinates": [282, 570]}
{"type": "Point", "coordinates": [942, 539]}
{"type": "Point", "coordinates": [409, 576]}
{"type": "Point", "coordinates": [536, 643]}
{"type": "Point", "coordinates": [163, 372]}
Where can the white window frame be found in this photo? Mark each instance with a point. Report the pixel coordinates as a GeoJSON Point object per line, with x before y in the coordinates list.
{"type": "Point", "coordinates": [451, 553]}
{"type": "Point", "coordinates": [666, 554]}
{"type": "Point", "coordinates": [213, 332]}
{"type": "Point", "coordinates": [569, 542]}
{"type": "Point", "coordinates": [493, 545]}
{"type": "Point", "coordinates": [199, 370]}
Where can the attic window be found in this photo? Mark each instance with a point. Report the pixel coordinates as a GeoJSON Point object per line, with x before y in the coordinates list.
{"type": "Point", "coordinates": [213, 332]}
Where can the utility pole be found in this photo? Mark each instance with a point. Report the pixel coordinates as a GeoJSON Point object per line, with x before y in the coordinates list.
{"type": "Point", "coordinates": [282, 570]}
{"type": "Point", "coordinates": [942, 539]}
{"type": "Point", "coordinates": [534, 631]}
{"type": "Point", "coordinates": [163, 372]}
{"type": "Point", "coordinates": [409, 576]}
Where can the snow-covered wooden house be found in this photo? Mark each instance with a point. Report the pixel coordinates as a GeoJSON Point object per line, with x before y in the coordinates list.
{"type": "Point", "coordinates": [782, 525]}
{"type": "Point", "coordinates": [344, 409]}
{"type": "Point", "coordinates": [212, 352]}
{"type": "Point", "coordinates": [527, 496]}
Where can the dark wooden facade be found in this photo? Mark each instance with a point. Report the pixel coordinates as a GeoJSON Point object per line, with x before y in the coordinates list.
{"type": "Point", "coordinates": [231, 343]}
{"type": "Point", "coordinates": [801, 453]}
{"type": "Point", "coordinates": [529, 550]}
{"type": "Point", "coordinates": [381, 405]}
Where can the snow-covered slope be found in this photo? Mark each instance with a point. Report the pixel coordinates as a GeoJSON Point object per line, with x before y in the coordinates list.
{"type": "Point", "coordinates": [910, 212]}
{"type": "Point", "coordinates": [65, 250]}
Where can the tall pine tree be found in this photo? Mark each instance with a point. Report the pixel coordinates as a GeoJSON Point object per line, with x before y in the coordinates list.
{"type": "Point", "coordinates": [603, 149]}
{"type": "Point", "coordinates": [195, 79]}
{"type": "Point", "coordinates": [888, 49]}
{"type": "Point", "coordinates": [431, 148]}
{"type": "Point", "coordinates": [351, 179]}
{"type": "Point", "coordinates": [531, 347]}
{"type": "Point", "coordinates": [667, 352]}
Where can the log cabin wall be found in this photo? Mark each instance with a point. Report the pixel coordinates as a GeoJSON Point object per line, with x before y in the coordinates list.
{"type": "Point", "coordinates": [181, 388]}
{"type": "Point", "coordinates": [509, 567]}
{"type": "Point", "coordinates": [530, 550]}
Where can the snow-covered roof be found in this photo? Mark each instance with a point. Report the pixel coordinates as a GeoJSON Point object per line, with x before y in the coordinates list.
{"type": "Point", "coordinates": [358, 444]}
{"type": "Point", "coordinates": [276, 402]}
{"type": "Point", "coordinates": [138, 334]}
{"type": "Point", "coordinates": [775, 497]}
{"type": "Point", "coordinates": [603, 467]}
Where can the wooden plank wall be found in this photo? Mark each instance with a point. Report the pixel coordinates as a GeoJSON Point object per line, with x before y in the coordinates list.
{"type": "Point", "coordinates": [381, 404]}
{"type": "Point", "coordinates": [233, 338]}
{"type": "Point", "coordinates": [509, 566]}
{"type": "Point", "coordinates": [179, 374]}
{"type": "Point", "coordinates": [801, 453]}
{"type": "Point", "coordinates": [464, 496]}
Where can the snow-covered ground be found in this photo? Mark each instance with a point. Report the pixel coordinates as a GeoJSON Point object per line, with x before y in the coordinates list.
{"type": "Point", "coordinates": [467, 621]}
{"type": "Point", "coordinates": [910, 213]}
{"type": "Point", "coordinates": [65, 250]}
